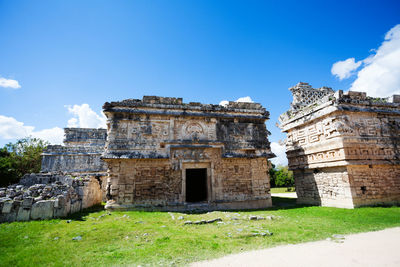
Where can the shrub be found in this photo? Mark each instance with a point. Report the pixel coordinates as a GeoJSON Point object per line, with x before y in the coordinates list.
{"type": "Point", "coordinates": [281, 176]}
{"type": "Point", "coordinates": [19, 158]}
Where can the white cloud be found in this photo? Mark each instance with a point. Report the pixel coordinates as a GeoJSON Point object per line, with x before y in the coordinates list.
{"type": "Point", "coordinates": [344, 69]}
{"type": "Point", "coordinates": [9, 83]}
{"type": "Point", "coordinates": [85, 117]}
{"type": "Point", "coordinates": [240, 99]}
{"type": "Point", "coordinates": [73, 123]}
{"type": "Point", "coordinates": [224, 103]}
{"type": "Point", "coordinates": [280, 152]}
{"type": "Point", "coordinates": [380, 72]}
{"type": "Point", "coordinates": [54, 135]}
{"type": "Point", "coordinates": [245, 99]}
{"type": "Point", "coordinates": [10, 128]}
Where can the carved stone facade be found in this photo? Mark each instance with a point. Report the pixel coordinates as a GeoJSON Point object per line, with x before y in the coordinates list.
{"type": "Point", "coordinates": [164, 154]}
{"type": "Point", "coordinates": [344, 149]}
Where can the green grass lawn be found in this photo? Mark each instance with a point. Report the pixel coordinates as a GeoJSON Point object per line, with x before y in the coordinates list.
{"type": "Point", "coordinates": [155, 238]}
{"type": "Point", "coordinates": [276, 190]}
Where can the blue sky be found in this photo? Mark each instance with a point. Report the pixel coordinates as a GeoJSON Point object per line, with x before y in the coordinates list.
{"type": "Point", "coordinates": [66, 53]}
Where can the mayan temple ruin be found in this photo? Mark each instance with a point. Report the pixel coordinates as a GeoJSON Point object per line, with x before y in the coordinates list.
{"type": "Point", "coordinates": [157, 153]}
{"type": "Point", "coordinates": [166, 154]}
{"type": "Point", "coordinates": [343, 147]}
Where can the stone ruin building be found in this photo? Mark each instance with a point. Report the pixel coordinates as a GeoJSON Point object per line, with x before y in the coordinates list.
{"type": "Point", "coordinates": [344, 148]}
{"type": "Point", "coordinates": [165, 154]}
{"type": "Point", "coordinates": [157, 153]}
{"type": "Point", "coordinates": [71, 179]}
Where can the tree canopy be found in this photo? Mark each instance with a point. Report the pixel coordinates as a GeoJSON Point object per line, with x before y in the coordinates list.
{"type": "Point", "coordinates": [19, 158]}
{"type": "Point", "coordinates": [281, 176]}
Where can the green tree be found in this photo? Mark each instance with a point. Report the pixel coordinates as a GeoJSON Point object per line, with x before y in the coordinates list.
{"type": "Point", "coordinates": [281, 176]}
{"type": "Point", "coordinates": [19, 158]}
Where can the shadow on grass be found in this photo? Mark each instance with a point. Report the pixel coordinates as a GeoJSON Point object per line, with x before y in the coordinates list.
{"type": "Point", "coordinates": [79, 216]}
{"type": "Point", "coordinates": [278, 203]}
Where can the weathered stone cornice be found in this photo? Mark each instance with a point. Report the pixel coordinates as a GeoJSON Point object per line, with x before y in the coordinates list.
{"type": "Point", "coordinates": [162, 106]}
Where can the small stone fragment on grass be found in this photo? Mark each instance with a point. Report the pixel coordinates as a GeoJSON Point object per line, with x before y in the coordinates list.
{"type": "Point", "coordinates": [68, 221]}
{"type": "Point", "coordinates": [255, 218]}
{"type": "Point", "coordinates": [163, 226]}
{"type": "Point", "coordinates": [188, 222]}
{"type": "Point", "coordinates": [56, 238]}
{"type": "Point", "coordinates": [77, 238]}
{"type": "Point", "coordinates": [214, 220]}
{"type": "Point", "coordinates": [180, 218]}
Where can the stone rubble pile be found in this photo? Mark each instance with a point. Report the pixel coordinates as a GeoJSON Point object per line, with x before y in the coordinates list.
{"type": "Point", "coordinates": [41, 196]}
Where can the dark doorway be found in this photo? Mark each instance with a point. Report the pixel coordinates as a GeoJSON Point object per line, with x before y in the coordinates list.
{"type": "Point", "coordinates": [196, 185]}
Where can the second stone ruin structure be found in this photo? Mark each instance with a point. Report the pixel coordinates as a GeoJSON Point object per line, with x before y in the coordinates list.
{"type": "Point", "coordinates": [344, 148]}
{"type": "Point", "coordinates": [164, 154]}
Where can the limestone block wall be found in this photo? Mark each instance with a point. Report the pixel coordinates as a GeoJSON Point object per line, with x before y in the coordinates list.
{"type": "Point", "coordinates": [143, 182]}
{"type": "Point", "coordinates": [153, 183]}
{"type": "Point", "coordinates": [46, 196]}
{"type": "Point", "coordinates": [240, 180]}
{"type": "Point", "coordinates": [325, 187]}
{"type": "Point", "coordinates": [375, 184]}
{"type": "Point", "coordinates": [344, 150]}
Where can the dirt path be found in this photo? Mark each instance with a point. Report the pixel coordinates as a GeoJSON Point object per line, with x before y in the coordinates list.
{"type": "Point", "coordinates": [289, 195]}
{"type": "Point", "coordinates": [381, 248]}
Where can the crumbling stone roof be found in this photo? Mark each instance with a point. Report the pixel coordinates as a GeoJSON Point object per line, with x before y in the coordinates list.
{"type": "Point", "coordinates": [172, 104]}
{"type": "Point", "coordinates": [307, 100]}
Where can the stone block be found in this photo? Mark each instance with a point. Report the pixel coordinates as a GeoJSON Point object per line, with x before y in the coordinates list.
{"type": "Point", "coordinates": [62, 210]}
{"type": "Point", "coordinates": [76, 207]}
{"type": "Point", "coordinates": [8, 217]}
{"type": "Point", "coordinates": [23, 214]}
{"type": "Point", "coordinates": [42, 210]}
{"type": "Point", "coordinates": [27, 202]}
{"type": "Point", "coordinates": [7, 206]}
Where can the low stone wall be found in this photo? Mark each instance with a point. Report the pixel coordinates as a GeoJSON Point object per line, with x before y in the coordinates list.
{"type": "Point", "coordinates": [46, 196]}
